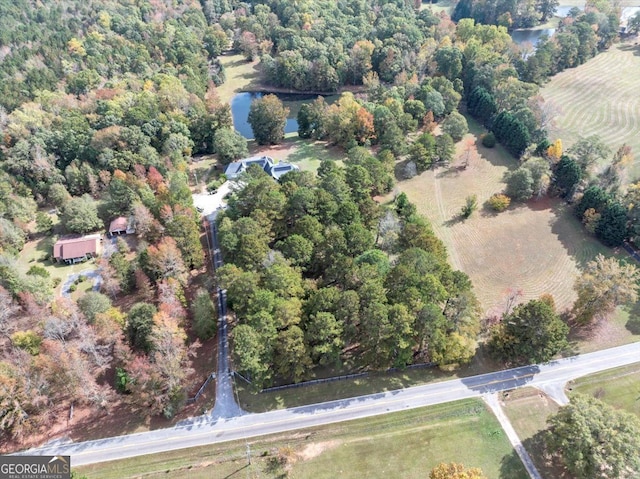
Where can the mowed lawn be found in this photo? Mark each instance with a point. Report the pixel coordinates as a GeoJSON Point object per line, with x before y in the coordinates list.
{"type": "Point", "coordinates": [528, 410]}
{"type": "Point", "coordinates": [406, 445]}
{"type": "Point", "coordinates": [619, 387]}
{"type": "Point", "coordinates": [537, 247]}
{"type": "Point", "coordinates": [601, 98]}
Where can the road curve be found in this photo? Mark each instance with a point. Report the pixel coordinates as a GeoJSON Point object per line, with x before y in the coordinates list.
{"type": "Point", "coordinates": [204, 430]}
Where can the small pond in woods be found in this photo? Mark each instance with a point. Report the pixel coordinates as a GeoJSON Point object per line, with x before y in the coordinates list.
{"type": "Point", "coordinates": [241, 103]}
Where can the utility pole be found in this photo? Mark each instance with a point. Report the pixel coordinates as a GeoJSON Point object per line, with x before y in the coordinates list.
{"type": "Point", "coordinates": [248, 453]}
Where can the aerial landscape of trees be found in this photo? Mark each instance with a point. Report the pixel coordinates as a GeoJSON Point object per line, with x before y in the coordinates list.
{"type": "Point", "coordinates": [103, 106]}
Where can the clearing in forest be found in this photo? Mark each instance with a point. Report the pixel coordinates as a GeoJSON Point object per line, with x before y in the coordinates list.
{"type": "Point", "coordinates": [601, 98]}
{"type": "Point", "coordinates": [536, 247]}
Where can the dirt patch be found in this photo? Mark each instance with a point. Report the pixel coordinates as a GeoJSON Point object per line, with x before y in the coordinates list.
{"type": "Point", "coordinates": [315, 449]}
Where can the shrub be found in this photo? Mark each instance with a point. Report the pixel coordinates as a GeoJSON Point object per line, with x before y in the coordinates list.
{"type": "Point", "coordinates": [93, 303]}
{"type": "Point", "coordinates": [36, 270]}
{"type": "Point", "coordinates": [499, 202]}
{"type": "Point", "coordinates": [27, 340]}
{"type": "Point", "coordinates": [489, 140]}
{"type": "Point", "coordinates": [470, 206]}
{"type": "Point", "coordinates": [73, 287]}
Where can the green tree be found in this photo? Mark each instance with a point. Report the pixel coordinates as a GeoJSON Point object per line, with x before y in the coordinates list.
{"type": "Point", "coordinates": [612, 227]}
{"type": "Point", "coordinates": [93, 303]}
{"type": "Point", "coordinates": [589, 151]}
{"type": "Point", "coordinates": [449, 61]}
{"type": "Point", "coordinates": [604, 285]}
{"type": "Point", "coordinates": [251, 355]}
{"type": "Point", "coordinates": [471, 204]}
{"type": "Point", "coordinates": [229, 145]}
{"type": "Point", "coordinates": [324, 336]}
{"type": "Point", "coordinates": [268, 117]}
{"type": "Point", "coordinates": [455, 125]}
{"type": "Point", "coordinates": [291, 358]}
{"type": "Point", "coordinates": [531, 333]}
{"type": "Point", "coordinates": [519, 184]}
{"type": "Point", "coordinates": [594, 440]}
{"type": "Point", "coordinates": [44, 223]}
{"type": "Point", "coordinates": [568, 174]}
{"type": "Point", "coordinates": [204, 315]}
{"type": "Point", "coordinates": [80, 215]}
{"type": "Point", "coordinates": [140, 326]}
{"type": "Point", "coordinates": [58, 195]}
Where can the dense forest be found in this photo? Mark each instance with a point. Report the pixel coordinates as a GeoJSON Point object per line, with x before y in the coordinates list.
{"type": "Point", "coordinates": [311, 278]}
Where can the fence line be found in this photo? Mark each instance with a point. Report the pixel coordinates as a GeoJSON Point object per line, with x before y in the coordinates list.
{"type": "Point", "coordinates": [200, 391]}
{"type": "Point", "coordinates": [242, 377]}
{"type": "Point", "coordinates": [341, 378]}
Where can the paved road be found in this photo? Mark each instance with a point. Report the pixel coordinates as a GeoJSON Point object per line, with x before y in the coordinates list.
{"type": "Point", "coordinates": [205, 430]}
{"type": "Point", "coordinates": [225, 405]}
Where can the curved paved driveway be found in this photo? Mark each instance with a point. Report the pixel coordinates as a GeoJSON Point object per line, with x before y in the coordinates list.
{"type": "Point", "coordinates": [204, 430]}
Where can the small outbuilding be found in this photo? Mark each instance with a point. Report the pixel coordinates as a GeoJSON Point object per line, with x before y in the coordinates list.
{"type": "Point", "coordinates": [77, 250]}
{"type": "Point", "coordinates": [121, 226]}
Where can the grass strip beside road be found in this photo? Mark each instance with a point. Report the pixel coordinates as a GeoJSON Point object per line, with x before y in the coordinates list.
{"type": "Point", "coordinates": [406, 444]}
{"type": "Point", "coordinates": [619, 387]}
{"type": "Point", "coordinates": [528, 410]}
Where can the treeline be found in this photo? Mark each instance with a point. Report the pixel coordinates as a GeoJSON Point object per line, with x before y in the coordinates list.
{"type": "Point", "coordinates": [319, 275]}
{"type": "Point", "coordinates": [579, 38]}
{"type": "Point", "coordinates": [320, 46]}
{"type": "Point", "coordinates": [88, 44]}
{"type": "Point", "coordinates": [506, 13]}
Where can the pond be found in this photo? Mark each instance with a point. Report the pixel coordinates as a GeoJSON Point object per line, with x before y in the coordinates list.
{"type": "Point", "coordinates": [241, 103]}
{"type": "Point", "coordinates": [532, 36]}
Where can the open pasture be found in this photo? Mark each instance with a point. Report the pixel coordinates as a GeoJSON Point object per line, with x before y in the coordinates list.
{"type": "Point", "coordinates": [601, 98]}
{"type": "Point", "coordinates": [536, 248]}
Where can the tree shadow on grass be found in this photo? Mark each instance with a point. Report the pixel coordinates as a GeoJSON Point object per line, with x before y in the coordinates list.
{"type": "Point", "coordinates": [548, 466]}
{"type": "Point", "coordinates": [633, 324]}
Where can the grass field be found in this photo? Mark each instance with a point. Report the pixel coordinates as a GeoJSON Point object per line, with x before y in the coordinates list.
{"type": "Point", "coordinates": [406, 444]}
{"type": "Point", "coordinates": [528, 410]}
{"type": "Point", "coordinates": [537, 247]}
{"type": "Point", "coordinates": [619, 387]}
{"type": "Point", "coordinates": [240, 75]}
{"type": "Point", "coordinates": [600, 97]}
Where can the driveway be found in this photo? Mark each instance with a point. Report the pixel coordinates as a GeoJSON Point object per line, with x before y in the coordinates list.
{"type": "Point", "coordinates": [87, 273]}
{"type": "Point", "coordinates": [208, 204]}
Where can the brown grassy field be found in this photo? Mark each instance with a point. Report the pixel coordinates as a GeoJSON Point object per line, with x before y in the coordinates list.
{"type": "Point", "coordinates": [600, 98]}
{"type": "Point", "coordinates": [537, 247]}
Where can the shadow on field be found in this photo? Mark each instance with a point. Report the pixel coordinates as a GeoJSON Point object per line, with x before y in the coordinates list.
{"type": "Point", "coordinates": [631, 47]}
{"type": "Point", "coordinates": [633, 324]}
{"type": "Point", "coordinates": [547, 466]}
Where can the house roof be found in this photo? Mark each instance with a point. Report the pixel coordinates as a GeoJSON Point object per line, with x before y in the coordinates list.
{"type": "Point", "coordinates": [275, 170]}
{"type": "Point", "coordinates": [76, 247]}
{"type": "Point", "coordinates": [281, 169]}
{"type": "Point", "coordinates": [119, 224]}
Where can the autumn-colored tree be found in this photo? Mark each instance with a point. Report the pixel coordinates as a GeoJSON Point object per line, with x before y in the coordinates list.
{"type": "Point", "coordinates": [171, 299]}
{"type": "Point", "coordinates": [604, 285]}
{"type": "Point", "coordinates": [428, 122]}
{"type": "Point", "coordinates": [590, 220]}
{"type": "Point", "coordinates": [455, 471]}
{"type": "Point", "coordinates": [555, 150]}
{"type": "Point", "coordinates": [144, 286]}
{"type": "Point", "coordinates": [165, 260]}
